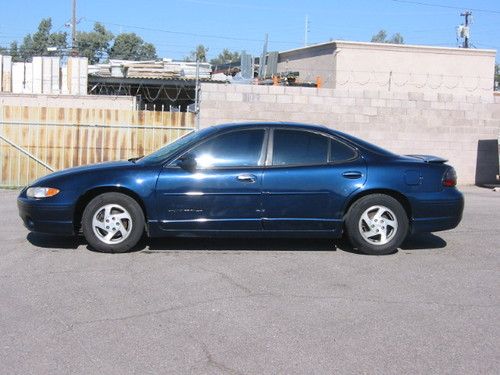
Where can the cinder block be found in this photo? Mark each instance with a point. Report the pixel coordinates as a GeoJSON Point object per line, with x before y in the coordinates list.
{"type": "Point", "coordinates": [316, 100]}
{"type": "Point", "coordinates": [284, 99]}
{"type": "Point", "coordinates": [300, 99]}
{"type": "Point", "coordinates": [361, 118]}
{"type": "Point", "coordinates": [473, 99]}
{"type": "Point", "coordinates": [341, 93]}
{"type": "Point", "coordinates": [423, 104]}
{"type": "Point", "coordinates": [250, 97]}
{"type": "Point", "coordinates": [234, 97]}
{"type": "Point", "coordinates": [379, 103]}
{"type": "Point", "coordinates": [445, 97]}
{"type": "Point", "coordinates": [408, 104]}
{"type": "Point", "coordinates": [348, 101]}
{"type": "Point", "coordinates": [265, 98]}
{"type": "Point", "coordinates": [290, 90]}
{"type": "Point", "coordinates": [383, 94]}
{"type": "Point", "coordinates": [347, 117]}
{"type": "Point", "coordinates": [371, 94]}
{"type": "Point", "coordinates": [308, 91]}
{"type": "Point", "coordinates": [487, 98]}
{"type": "Point", "coordinates": [400, 95]}
{"type": "Point", "coordinates": [417, 96]}
{"type": "Point", "coordinates": [325, 92]}
{"type": "Point", "coordinates": [356, 94]}
{"type": "Point", "coordinates": [276, 90]}
{"type": "Point", "coordinates": [430, 96]}
{"type": "Point", "coordinates": [452, 106]}
{"type": "Point", "coordinates": [370, 111]}
{"type": "Point", "coordinates": [215, 96]}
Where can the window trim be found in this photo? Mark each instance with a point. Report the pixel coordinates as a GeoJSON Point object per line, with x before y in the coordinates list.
{"type": "Point", "coordinates": [260, 162]}
{"type": "Point", "coordinates": [330, 137]}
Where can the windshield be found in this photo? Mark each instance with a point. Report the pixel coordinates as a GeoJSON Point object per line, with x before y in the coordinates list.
{"type": "Point", "coordinates": [169, 149]}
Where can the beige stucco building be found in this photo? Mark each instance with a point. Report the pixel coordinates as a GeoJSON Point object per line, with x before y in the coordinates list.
{"type": "Point", "coordinates": [393, 67]}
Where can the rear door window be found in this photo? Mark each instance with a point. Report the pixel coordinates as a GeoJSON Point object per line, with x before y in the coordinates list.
{"type": "Point", "coordinates": [296, 147]}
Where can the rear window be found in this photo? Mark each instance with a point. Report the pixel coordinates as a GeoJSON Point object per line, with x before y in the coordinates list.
{"type": "Point", "coordinates": [340, 152]}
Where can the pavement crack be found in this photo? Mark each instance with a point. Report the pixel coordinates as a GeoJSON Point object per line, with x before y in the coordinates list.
{"type": "Point", "coordinates": [168, 309]}
{"type": "Point", "coordinates": [229, 279]}
{"type": "Point", "coordinates": [214, 363]}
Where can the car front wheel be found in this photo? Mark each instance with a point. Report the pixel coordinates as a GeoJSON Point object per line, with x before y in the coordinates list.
{"type": "Point", "coordinates": [377, 224]}
{"type": "Point", "coordinates": [113, 223]}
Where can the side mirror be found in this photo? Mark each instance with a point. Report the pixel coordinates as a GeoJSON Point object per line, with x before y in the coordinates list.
{"type": "Point", "coordinates": [187, 162]}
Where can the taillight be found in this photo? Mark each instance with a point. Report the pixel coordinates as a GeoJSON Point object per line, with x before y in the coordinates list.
{"type": "Point", "coordinates": [450, 177]}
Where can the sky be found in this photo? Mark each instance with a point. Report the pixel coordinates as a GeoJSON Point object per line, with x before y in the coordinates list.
{"type": "Point", "coordinates": [177, 26]}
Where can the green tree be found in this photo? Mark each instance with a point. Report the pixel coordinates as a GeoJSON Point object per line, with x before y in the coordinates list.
{"type": "Point", "coordinates": [130, 46]}
{"type": "Point", "coordinates": [14, 52]}
{"type": "Point", "coordinates": [37, 44]}
{"type": "Point", "coordinates": [94, 44]}
{"type": "Point", "coordinates": [200, 54]}
{"type": "Point", "coordinates": [381, 37]}
{"type": "Point", "coordinates": [226, 56]}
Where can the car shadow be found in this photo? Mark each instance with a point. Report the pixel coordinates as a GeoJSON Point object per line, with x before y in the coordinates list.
{"type": "Point", "coordinates": [48, 241]}
{"type": "Point", "coordinates": [424, 241]}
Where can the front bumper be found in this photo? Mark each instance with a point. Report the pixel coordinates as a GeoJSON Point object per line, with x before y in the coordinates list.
{"type": "Point", "coordinates": [434, 213]}
{"type": "Point", "coordinates": [44, 217]}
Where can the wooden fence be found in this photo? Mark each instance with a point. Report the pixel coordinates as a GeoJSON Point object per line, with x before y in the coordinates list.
{"type": "Point", "coordinates": [36, 140]}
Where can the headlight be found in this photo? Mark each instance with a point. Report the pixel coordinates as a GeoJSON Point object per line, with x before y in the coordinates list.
{"type": "Point", "coordinates": [41, 192]}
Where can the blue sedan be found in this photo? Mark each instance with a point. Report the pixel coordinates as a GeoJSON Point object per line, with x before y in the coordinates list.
{"type": "Point", "coordinates": [253, 179]}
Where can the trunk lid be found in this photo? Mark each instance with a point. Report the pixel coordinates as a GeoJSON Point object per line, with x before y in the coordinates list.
{"type": "Point", "coordinates": [429, 159]}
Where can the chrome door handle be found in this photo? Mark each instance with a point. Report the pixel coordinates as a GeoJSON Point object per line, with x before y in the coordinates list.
{"type": "Point", "coordinates": [246, 178]}
{"type": "Point", "coordinates": [352, 174]}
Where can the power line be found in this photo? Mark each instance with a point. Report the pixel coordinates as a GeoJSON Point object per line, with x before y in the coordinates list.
{"type": "Point", "coordinates": [446, 6]}
{"type": "Point", "coordinates": [191, 34]}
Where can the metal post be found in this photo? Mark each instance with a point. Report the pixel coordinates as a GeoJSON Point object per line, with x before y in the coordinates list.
{"type": "Point", "coordinates": [196, 94]}
{"type": "Point", "coordinates": [74, 51]}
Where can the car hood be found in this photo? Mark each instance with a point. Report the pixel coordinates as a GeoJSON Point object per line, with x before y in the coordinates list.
{"type": "Point", "coordinates": [75, 171]}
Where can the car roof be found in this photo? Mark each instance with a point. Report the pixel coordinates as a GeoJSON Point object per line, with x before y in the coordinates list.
{"type": "Point", "coordinates": [271, 124]}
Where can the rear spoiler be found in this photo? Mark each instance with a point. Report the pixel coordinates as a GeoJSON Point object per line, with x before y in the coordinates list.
{"type": "Point", "coordinates": [429, 158]}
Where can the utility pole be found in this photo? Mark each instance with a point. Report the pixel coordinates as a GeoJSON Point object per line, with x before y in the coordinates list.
{"type": "Point", "coordinates": [74, 50]}
{"type": "Point", "coordinates": [466, 32]}
{"type": "Point", "coordinates": [306, 30]}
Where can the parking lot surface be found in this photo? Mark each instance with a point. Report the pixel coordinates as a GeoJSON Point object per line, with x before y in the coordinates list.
{"type": "Point", "coordinates": [243, 306]}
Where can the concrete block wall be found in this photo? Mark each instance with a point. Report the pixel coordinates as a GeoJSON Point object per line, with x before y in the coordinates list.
{"type": "Point", "coordinates": [461, 128]}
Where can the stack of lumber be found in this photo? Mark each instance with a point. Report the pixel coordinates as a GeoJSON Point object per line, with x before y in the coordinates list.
{"type": "Point", "coordinates": [165, 69]}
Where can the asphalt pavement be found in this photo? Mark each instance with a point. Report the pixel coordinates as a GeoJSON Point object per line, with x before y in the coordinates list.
{"type": "Point", "coordinates": [239, 306]}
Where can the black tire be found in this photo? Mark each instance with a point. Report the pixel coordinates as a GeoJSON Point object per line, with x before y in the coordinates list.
{"type": "Point", "coordinates": [120, 204]}
{"type": "Point", "coordinates": [358, 232]}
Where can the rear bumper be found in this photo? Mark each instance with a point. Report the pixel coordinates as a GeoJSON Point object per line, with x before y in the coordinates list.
{"type": "Point", "coordinates": [437, 212]}
{"type": "Point", "coordinates": [42, 217]}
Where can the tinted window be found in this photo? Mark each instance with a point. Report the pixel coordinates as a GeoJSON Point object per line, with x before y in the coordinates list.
{"type": "Point", "coordinates": [235, 149]}
{"type": "Point", "coordinates": [292, 147]}
{"type": "Point", "coordinates": [340, 151]}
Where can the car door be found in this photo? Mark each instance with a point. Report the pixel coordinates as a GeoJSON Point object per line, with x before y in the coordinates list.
{"type": "Point", "coordinates": [223, 191]}
{"type": "Point", "coordinates": [308, 178]}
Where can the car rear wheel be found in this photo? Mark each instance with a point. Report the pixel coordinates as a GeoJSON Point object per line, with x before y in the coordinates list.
{"type": "Point", "coordinates": [113, 223]}
{"type": "Point", "coordinates": [377, 224]}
